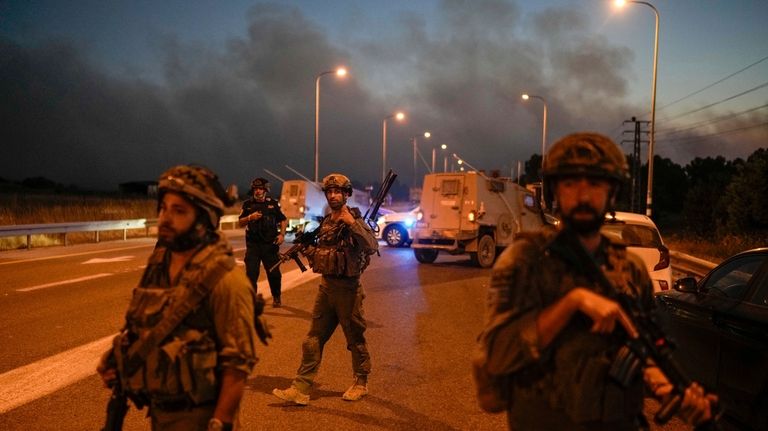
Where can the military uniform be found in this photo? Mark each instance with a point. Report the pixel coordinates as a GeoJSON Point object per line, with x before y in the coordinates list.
{"type": "Point", "coordinates": [565, 385]}
{"type": "Point", "coordinates": [181, 377]}
{"type": "Point", "coordinates": [341, 259]}
{"type": "Point", "coordinates": [260, 242]}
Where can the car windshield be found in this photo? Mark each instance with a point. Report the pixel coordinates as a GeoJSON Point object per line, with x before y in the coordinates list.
{"type": "Point", "coordinates": [634, 235]}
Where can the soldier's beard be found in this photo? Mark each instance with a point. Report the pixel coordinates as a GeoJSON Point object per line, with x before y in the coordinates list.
{"type": "Point", "coordinates": [336, 205]}
{"type": "Point", "coordinates": [584, 226]}
{"type": "Point", "coordinates": [195, 236]}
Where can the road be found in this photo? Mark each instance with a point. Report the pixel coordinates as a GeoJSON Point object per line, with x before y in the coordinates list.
{"type": "Point", "coordinates": [59, 308]}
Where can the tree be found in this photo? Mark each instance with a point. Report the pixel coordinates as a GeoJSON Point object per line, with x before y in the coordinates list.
{"type": "Point", "coordinates": [668, 198]}
{"type": "Point", "coordinates": [703, 206]}
{"type": "Point", "coordinates": [745, 197]}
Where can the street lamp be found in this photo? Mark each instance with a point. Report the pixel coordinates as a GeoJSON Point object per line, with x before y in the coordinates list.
{"type": "Point", "coordinates": [652, 141]}
{"type": "Point", "coordinates": [543, 138]}
{"type": "Point", "coordinates": [415, 151]}
{"type": "Point", "coordinates": [445, 161]}
{"type": "Point", "coordinates": [399, 117]}
{"type": "Point", "coordinates": [339, 72]}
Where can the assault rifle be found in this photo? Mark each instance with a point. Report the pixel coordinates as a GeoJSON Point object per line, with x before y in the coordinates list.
{"type": "Point", "coordinates": [116, 409]}
{"type": "Point", "coordinates": [651, 342]}
{"type": "Point", "coordinates": [372, 214]}
{"type": "Point", "coordinates": [305, 240]}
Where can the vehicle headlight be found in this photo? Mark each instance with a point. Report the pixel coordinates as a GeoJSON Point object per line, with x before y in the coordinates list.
{"type": "Point", "coordinates": [472, 216]}
{"type": "Point", "coordinates": [301, 209]}
{"type": "Point", "coordinates": [419, 215]}
{"type": "Point", "coordinates": [409, 222]}
{"type": "Point", "coordinates": [380, 220]}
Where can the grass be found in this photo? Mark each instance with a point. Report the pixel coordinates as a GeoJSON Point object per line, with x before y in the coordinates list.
{"type": "Point", "coordinates": [714, 249]}
{"type": "Point", "coordinates": [37, 208]}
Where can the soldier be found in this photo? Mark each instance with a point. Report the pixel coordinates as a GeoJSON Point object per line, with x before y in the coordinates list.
{"type": "Point", "coordinates": [264, 233]}
{"type": "Point", "coordinates": [344, 246]}
{"type": "Point", "coordinates": [188, 344]}
{"type": "Point", "coordinates": [547, 343]}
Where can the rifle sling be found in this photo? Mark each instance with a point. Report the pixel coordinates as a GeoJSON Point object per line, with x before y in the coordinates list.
{"type": "Point", "coordinates": [140, 349]}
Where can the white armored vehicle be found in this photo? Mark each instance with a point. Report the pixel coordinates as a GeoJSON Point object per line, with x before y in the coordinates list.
{"type": "Point", "coordinates": [468, 212]}
{"type": "Point", "coordinates": [303, 202]}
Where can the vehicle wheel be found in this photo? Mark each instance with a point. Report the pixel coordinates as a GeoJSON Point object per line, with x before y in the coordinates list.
{"type": "Point", "coordinates": [425, 255]}
{"type": "Point", "coordinates": [395, 235]}
{"type": "Point", "coordinates": [486, 252]}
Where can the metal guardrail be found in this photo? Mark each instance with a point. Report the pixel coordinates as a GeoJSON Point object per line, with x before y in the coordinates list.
{"type": "Point", "coordinates": [28, 230]}
{"type": "Point", "coordinates": [693, 266]}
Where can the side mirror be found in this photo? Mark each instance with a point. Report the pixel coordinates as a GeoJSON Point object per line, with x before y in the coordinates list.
{"type": "Point", "coordinates": [687, 285]}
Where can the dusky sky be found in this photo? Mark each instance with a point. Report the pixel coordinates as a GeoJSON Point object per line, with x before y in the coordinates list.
{"type": "Point", "coordinates": [95, 93]}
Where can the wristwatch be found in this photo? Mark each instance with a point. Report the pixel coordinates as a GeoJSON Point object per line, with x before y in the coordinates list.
{"type": "Point", "coordinates": [217, 425]}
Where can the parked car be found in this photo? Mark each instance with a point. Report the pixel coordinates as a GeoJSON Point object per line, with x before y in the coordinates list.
{"type": "Point", "coordinates": [395, 227]}
{"type": "Point", "coordinates": [720, 325]}
{"type": "Point", "coordinates": [642, 237]}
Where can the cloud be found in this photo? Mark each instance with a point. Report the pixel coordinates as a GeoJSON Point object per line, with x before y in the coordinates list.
{"type": "Point", "coordinates": [250, 105]}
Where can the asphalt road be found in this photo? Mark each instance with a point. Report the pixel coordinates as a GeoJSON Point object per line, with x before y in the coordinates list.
{"type": "Point", "coordinates": [60, 306]}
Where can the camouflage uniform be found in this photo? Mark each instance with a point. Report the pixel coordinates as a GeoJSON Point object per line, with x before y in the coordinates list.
{"type": "Point", "coordinates": [341, 259]}
{"type": "Point", "coordinates": [180, 378]}
{"type": "Point", "coordinates": [565, 385]}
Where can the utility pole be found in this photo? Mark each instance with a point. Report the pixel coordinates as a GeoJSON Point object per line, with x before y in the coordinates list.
{"type": "Point", "coordinates": [635, 199]}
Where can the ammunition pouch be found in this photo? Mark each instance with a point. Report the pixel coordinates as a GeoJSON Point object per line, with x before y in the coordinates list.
{"type": "Point", "coordinates": [337, 262]}
{"type": "Point", "coordinates": [183, 366]}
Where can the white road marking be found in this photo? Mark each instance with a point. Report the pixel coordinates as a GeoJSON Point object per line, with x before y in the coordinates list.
{"type": "Point", "coordinates": [59, 256]}
{"type": "Point", "coordinates": [38, 379]}
{"type": "Point", "coordinates": [59, 283]}
{"type": "Point", "coordinates": [46, 376]}
{"type": "Point", "coordinates": [108, 259]}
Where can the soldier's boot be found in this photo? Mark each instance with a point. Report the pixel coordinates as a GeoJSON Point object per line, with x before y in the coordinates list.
{"type": "Point", "coordinates": [358, 390]}
{"type": "Point", "coordinates": [292, 394]}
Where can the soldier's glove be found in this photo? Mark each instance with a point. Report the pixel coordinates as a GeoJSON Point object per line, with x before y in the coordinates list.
{"type": "Point", "coordinates": [259, 322]}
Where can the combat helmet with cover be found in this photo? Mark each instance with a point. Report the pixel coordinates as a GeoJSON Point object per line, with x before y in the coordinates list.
{"type": "Point", "coordinates": [338, 181]}
{"type": "Point", "coordinates": [201, 186]}
{"type": "Point", "coordinates": [584, 154]}
{"type": "Point", "coordinates": [587, 153]}
{"type": "Point", "coordinates": [259, 183]}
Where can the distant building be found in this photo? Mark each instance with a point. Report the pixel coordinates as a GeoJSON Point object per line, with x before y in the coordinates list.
{"type": "Point", "coordinates": [144, 188]}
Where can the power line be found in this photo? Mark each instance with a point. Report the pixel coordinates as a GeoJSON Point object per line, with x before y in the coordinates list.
{"type": "Point", "coordinates": [687, 140]}
{"type": "Point", "coordinates": [707, 122]}
{"type": "Point", "coordinates": [712, 84]}
{"type": "Point", "coordinates": [765, 84]}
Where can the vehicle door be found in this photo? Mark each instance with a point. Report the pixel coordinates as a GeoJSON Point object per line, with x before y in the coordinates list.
{"type": "Point", "coordinates": [742, 383]}
{"type": "Point", "coordinates": [530, 212]}
{"type": "Point", "coordinates": [447, 201]}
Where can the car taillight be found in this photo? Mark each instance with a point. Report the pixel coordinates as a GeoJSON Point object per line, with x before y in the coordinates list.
{"type": "Point", "coordinates": [663, 285]}
{"type": "Point", "coordinates": [663, 258]}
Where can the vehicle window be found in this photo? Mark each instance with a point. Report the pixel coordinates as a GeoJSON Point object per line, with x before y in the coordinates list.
{"type": "Point", "coordinates": [633, 235]}
{"type": "Point", "coordinates": [731, 279]}
{"type": "Point", "coordinates": [449, 187]}
{"type": "Point", "coordinates": [294, 190]}
{"type": "Point", "coordinates": [529, 201]}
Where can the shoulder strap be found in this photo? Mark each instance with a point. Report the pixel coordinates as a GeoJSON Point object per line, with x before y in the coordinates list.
{"type": "Point", "coordinates": [139, 350]}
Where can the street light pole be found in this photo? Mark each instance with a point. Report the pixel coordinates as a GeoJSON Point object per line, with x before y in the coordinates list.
{"type": "Point", "coordinates": [398, 116]}
{"type": "Point", "coordinates": [339, 72]}
{"type": "Point", "coordinates": [652, 140]}
{"type": "Point", "coordinates": [543, 136]}
{"type": "Point", "coordinates": [415, 152]}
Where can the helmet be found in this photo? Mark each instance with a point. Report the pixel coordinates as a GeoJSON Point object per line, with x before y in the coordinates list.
{"type": "Point", "coordinates": [260, 183]}
{"type": "Point", "coordinates": [201, 186]}
{"type": "Point", "coordinates": [590, 154]}
{"type": "Point", "coordinates": [338, 181]}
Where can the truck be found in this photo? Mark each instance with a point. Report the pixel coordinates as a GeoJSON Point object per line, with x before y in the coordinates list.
{"type": "Point", "coordinates": [304, 205]}
{"type": "Point", "coordinates": [469, 212]}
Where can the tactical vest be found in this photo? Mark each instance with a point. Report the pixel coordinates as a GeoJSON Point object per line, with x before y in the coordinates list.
{"type": "Point", "coordinates": [183, 366]}
{"type": "Point", "coordinates": [336, 253]}
{"type": "Point", "coordinates": [264, 229]}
